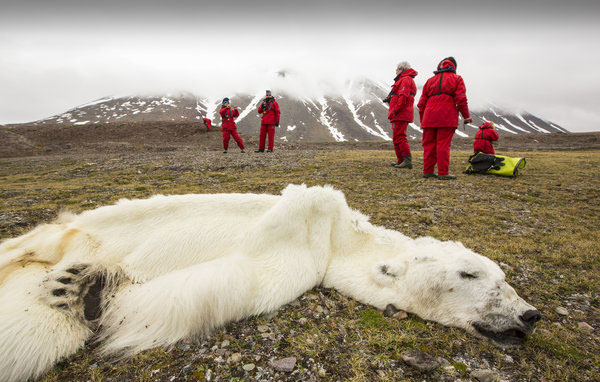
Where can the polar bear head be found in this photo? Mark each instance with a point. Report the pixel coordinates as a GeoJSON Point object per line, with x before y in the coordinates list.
{"type": "Point", "coordinates": [450, 284]}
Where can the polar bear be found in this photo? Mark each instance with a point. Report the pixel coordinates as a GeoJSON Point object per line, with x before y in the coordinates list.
{"type": "Point", "coordinates": [147, 273]}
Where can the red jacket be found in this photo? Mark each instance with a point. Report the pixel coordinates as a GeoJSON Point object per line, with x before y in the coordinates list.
{"type": "Point", "coordinates": [444, 95]}
{"type": "Point", "coordinates": [207, 122]}
{"type": "Point", "coordinates": [228, 115]}
{"type": "Point", "coordinates": [484, 138]}
{"type": "Point", "coordinates": [403, 97]}
{"type": "Point", "coordinates": [270, 112]}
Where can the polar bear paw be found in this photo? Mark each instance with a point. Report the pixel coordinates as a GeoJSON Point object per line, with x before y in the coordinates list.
{"type": "Point", "coordinates": [75, 290]}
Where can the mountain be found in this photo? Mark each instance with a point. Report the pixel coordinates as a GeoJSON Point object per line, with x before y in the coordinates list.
{"type": "Point", "coordinates": [358, 114]}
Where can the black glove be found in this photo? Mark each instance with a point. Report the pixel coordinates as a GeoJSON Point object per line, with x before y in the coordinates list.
{"type": "Point", "coordinates": [277, 123]}
{"type": "Point", "coordinates": [387, 99]}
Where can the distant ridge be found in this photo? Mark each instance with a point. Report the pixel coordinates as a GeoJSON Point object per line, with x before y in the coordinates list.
{"type": "Point", "coordinates": [358, 115]}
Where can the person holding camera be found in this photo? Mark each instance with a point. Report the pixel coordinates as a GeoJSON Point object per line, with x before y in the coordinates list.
{"type": "Point", "coordinates": [228, 126]}
{"type": "Point", "coordinates": [444, 97]}
{"type": "Point", "coordinates": [269, 109]}
{"type": "Point", "coordinates": [401, 112]}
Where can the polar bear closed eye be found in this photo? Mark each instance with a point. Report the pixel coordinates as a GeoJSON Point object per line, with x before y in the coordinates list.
{"type": "Point", "coordinates": [147, 273]}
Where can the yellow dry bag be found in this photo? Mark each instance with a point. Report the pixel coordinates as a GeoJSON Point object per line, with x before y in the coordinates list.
{"type": "Point", "coordinates": [502, 165]}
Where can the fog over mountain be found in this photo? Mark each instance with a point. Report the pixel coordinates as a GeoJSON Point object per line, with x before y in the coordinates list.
{"type": "Point", "coordinates": [537, 56]}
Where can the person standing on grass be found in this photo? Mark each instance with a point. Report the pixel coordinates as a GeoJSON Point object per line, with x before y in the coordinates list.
{"type": "Point", "coordinates": [401, 112]}
{"type": "Point", "coordinates": [269, 109]}
{"type": "Point", "coordinates": [444, 97]}
{"type": "Point", "coordinates": [228, 126]}
{"type": "Point", "coordinates": [484, 137]}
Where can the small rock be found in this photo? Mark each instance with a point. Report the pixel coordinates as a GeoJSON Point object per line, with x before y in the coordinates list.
{"type": "Point", "coordinates": [185, 347]}
{"type": "Point", "coordinates": [443, 362]}
{"type": "Point", "coordinates": [187, 369]}
{"type": "Point", "coordinates": [585, 326]}
{"type": "Point", "coordinates": [557, 324]}
{"type": "Point", "coordinates": [236, 357]}
{"type": "Point", "coordinates": [420, 360]}
{"type": "Point", "coordinates": [303, 321]}
{"type": "Point", "coordinates": [390, 310]}
{"type": "Point", "coordinates": [249, 366]}
{"type": "Point", "coordinates": [262, 328]}
{"type": "Point", "coordinates": [225, 343]}
{"type": "Point", "coordinates": [93, 366]}
{"type": "Point", "coordinates": [214, 348]}
{"type": "Point", "coordinates": [562, 311]}
{"type": "Point", "coordinates": [401, 315]}
{"type": "Point", "coordinates": [485, 375]}
{"type": "Point", "coordinates": [271, 315]}
{"type": "Point", "coordinates": [508, 358]}
{"type": "Point", "coordinates": [450, 370]}
{"type": "Point", "coordinates": [506, 266]}
{"type": "Point", "coordinates": [284, 364]}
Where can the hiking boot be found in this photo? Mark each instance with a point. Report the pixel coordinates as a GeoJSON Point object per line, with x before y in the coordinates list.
{"type": "Point", "coordinates": [269, 151]}
{"type": "Point", "coordinates": [243, 151]}
{"type": "Point", "coordinates": [446, 177]}
{"type": "Point", "coordinates": [224, 151]}
{"type": "Point", "coordinates": [394, 164]}
{"type": "Point", "coordinates": [429, 175]}
{"type": "Point", "coordinates": [259, 151]}
{"type": "Point", "coordinates": [406, 163]}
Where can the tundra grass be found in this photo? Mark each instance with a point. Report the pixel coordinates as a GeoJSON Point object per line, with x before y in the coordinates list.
{"type": "Point", "coordinates": [541, 226]}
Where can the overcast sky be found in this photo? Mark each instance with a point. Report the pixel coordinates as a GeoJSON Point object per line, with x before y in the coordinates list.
{"type": "Point", "coordinates": [540, 56]}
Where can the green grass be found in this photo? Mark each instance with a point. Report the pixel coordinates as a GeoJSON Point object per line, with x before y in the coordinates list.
{"type": "Point", "coordinates": [543, 224]}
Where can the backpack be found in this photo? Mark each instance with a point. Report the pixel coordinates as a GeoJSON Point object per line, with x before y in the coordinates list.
{"type": "Point", "coordinates": [481, 163]}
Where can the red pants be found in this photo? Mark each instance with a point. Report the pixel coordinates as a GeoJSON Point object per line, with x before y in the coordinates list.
{"type": "Point", "coordinates": [264, 130]}
{"type": "Point", "coordinates": [207, 123]}
{"type": "Point", "coordinates": [436, 149]}
{"type": "Point", "coordinates": [236, 138]}
{"type": "Point", "coordinates": [401, 146]}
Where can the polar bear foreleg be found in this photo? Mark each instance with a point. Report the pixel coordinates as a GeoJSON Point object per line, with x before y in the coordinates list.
{"type": "Point", "coordinates": [33, 334]}
{"type": "Point", "coordinates": [179, 304]}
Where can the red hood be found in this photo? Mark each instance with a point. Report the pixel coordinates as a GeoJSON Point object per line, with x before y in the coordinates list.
{"type": "Point", "coordinates": [446, 64]}
{"type": "Point", "coordinates": [409, 72]}
{"type": "Point", "coordinates": [486, 125]}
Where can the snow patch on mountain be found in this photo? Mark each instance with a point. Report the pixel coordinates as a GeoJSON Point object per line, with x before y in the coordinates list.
{"type": "Point", "coordinates": [381, 133]}
{"type": "Point", "coordinates": [327, 122]}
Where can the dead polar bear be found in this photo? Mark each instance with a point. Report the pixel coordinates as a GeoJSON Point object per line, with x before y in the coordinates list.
{"type": "Point", "coordinates": [151, 272]}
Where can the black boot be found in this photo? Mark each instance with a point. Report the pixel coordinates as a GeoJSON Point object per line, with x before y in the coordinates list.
{"type": "Point", "coordinates": [260, 151]}
{"type": "Point", "coordinates": [406, 163]}
{"type": "Point", "coordinates": [446, 177]}
{"type": "Point", "coordinates": [269, 151]}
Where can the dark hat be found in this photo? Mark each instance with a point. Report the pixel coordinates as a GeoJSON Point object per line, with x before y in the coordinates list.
{"type": "Point", "coordinates": [225, 100]}
{"type": "Point", "coordinates": [268, 92]}
{"type": "Point", "coordinates": [451, 59]}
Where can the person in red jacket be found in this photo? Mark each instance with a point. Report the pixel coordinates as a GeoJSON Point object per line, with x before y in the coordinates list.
{"type": "Point", "coordinates": [269, 109]}
{"type": "Point", "coordinates": [444, 96]}
{"type": "Point", "coordinates": [228, 126]}
{"type": "Point", "coordinates": [483, 139]}
{"type": "Point", "coordinates": [207, 123]}
{"type": "Point", "coordinates": [401, 112]}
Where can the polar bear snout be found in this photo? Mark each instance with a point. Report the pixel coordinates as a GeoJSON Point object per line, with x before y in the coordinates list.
{"type": "Point", "coordinates": [531, 317]}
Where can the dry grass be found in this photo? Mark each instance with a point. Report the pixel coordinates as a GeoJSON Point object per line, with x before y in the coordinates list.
{"type": "Point", "coordinates": [543, 225]}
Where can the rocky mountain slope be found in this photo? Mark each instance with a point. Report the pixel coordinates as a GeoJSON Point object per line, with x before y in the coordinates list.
{"type": "Point", "coordinates": [358, 114]}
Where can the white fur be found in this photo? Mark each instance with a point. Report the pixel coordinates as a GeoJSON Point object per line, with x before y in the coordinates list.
{"type": "Point", "coordinates": [183, 265]}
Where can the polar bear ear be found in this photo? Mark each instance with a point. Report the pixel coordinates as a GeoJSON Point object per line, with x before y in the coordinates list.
{"type": "Point", "coordinates": [386, 272]}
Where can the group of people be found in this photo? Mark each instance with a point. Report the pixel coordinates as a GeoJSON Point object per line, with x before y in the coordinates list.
{"type": "Point", "coordinates": [442, 100]}
{"type": "Point", "coordinates": [270, 114]}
